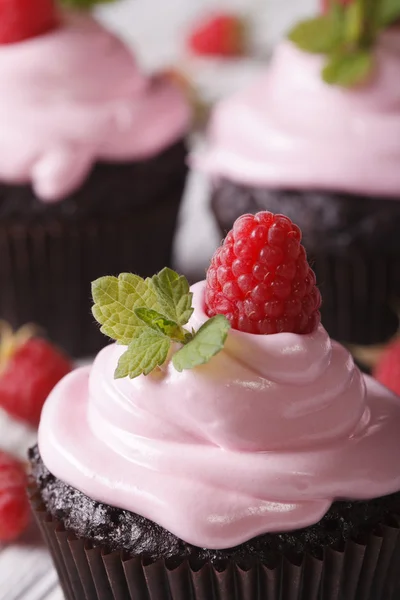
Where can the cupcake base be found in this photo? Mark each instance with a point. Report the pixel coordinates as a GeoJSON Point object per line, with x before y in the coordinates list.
{"type": "Point", "coordinates": [122, 219]}
{"type": "Point", "coordinates": [353, 553]}
{"type": "Point", "coordinates": [367, 570]}
{"type": "Point", "coordinates": [353, 246]}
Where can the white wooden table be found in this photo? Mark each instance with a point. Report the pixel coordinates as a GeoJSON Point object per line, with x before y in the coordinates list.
{"type": "Point", "coordinates": [26, 572]}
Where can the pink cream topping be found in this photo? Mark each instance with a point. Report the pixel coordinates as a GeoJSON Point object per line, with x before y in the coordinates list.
{"type": "Point", "coordinates": [292, 130]}
{"type": "Point", "coordinates": [75, 96]}
{"type": "Point", "coordinates": [263, 438]}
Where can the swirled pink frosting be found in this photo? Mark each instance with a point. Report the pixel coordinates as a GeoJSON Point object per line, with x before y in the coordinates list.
{"type": "Point", "coordinates": [292, 130]}
{"type": "Point", "coordinates": [75, 96]}
{"type": "Point", "coordinates": [261, 439]}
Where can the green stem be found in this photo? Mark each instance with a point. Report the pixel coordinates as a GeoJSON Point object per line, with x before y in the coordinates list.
{"type": "Point", "coordinates": [369, 12]}
{"type": "Point", "coordinates": [181, 335]}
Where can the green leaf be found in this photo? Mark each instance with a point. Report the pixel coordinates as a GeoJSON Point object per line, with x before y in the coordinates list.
{"type": "Point", "coordinates": [159, 323]}
{"type": "Point", "coordinates": [348, 69]}
{"type": "Point", "coordinates": [321, 35]}
{"type": "Point", "coordinates": [347, 33]}
{"type": "Point", "coordinates": [389, 12]}
{"type": "Point", "coordinates": [115, 300]}
{"type": "Point", "coordinates": [207, 342]}
{"type": "Point", "coordinates": [173, 292]}
{"type": "Point", "coordinates": [369, 11]}
{"type": "Point", "coordinates": [353, 22]}
{"type": "Point", "coordinates": [147, 351]}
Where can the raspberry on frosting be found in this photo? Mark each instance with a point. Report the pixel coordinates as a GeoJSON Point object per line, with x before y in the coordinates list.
{"type": "Point", "coordinates": [260, 278]}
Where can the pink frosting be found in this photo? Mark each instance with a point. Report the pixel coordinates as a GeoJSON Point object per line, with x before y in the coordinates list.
{"type": "Point", "coordinates": [261, 439]}
{"type": "Point", "coordinates": [75, 96]}
{"type": "Point", "coordinates": [292, 130]}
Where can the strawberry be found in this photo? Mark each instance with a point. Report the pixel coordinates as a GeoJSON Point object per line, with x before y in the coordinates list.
{"type": "Point", "coordinates": [14, 505]}
{"type": "Point", "coordinates": [260, 278]}
{"type": "Point", "coordinates": [387, 371]}
{"type": "Point", "coordinates": [24, 19]}
{"type": "Point", "coordinates": [219, 35]}
{"type": "Point", "coordinates": [29, 369]}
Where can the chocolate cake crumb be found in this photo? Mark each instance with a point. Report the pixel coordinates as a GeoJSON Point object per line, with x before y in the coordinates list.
{"type": "Point", "coordinates": [115, 528]}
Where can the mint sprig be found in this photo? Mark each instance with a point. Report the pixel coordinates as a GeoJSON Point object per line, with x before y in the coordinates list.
{"type": "Point", "coordinates": [148, 316]}
{"type": "Point", "coordinates": [346, 35]}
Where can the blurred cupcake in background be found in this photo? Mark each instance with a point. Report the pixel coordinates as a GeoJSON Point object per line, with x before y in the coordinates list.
{"type": "Point", "coordinates": [92, 166]}
{"type": "Point", "coordinates": [318, 139]}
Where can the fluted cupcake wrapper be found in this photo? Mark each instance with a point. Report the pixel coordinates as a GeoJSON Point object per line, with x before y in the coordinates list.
{"type": "Point", "coordinates": [122, 220]}
{"type": "Point", "coordinates": [46, 270]}
{"type": "Point", "coordinates": [360, 296]}
{"type": "Point", "coordinates": [360, 571]}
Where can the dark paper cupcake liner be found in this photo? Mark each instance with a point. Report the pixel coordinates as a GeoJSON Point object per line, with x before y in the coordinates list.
{"type": "Point", "coordinates": [360, 571]}
{"type": "Point", "coordinates": [359, 296]}
{"type": "Point", "coordinates": [47, 264]}
{"type": "Point", "coordinates": [352, 244]}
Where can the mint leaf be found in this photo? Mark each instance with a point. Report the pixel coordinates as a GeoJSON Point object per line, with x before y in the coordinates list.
{"type": "Point", "coordinates": [348, 69]}
{"type": "Point", "coordinates": [147, 351]}
{"type": "Point", "coordinates": [115, 300]}
{"type": "Point", "coordinates": [147, 315]}
{"type": "Point", "coordinates": [159, 323]}
{"type": "Point", "coordinates": [173, 292]}
{"type": "Point", "coordinates": [353, 22]}
{"type": "Point", "coordinates": [346, 33]}
{"type": "Point", "coordinates": [389, 12]}
{"type": "Point", "coordinates": [207, 342]}
{"type": "Point", "coordinates": [321, 35]}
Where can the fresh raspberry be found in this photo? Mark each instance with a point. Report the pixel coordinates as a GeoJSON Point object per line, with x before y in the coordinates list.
{"type": "Point", "coordinates": [14, 505]}
{"type": "Point", "coordinates": [260, 278]}
{"type": "Point", "coordinates": [218, 35]}
{"type": "Point", "coordinates": [28, 372]}
{"type": "Point", "coordinates": [387, 370]}
{"type": "Point", "coordinates": [24, 19]}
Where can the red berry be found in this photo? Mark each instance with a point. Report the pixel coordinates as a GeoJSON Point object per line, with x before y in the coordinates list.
{"type": "Point", "coordinates": [219, 35]}
{"type": "Point", "coordinates": [14, 505]}
{"type": "Point", "coordinates": [387, 370]}
{"type": "Point", "coordinates": [260, 278]}
{"type": "Point", "coordinates": [24, 19]}
{"type": "Point", "coordinates": [28, 375]}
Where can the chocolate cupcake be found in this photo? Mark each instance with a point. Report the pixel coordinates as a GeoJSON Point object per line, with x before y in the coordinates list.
{"type": "Point", "coordinates": [92, 170]}
{"type": "Point", "coordinates": [196, 461]}
{"type": "Point", "coordinates": [328, 157]}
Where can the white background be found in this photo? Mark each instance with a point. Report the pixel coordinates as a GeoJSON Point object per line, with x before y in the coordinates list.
{"type": "Point", "coordinates": [156, 27]}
